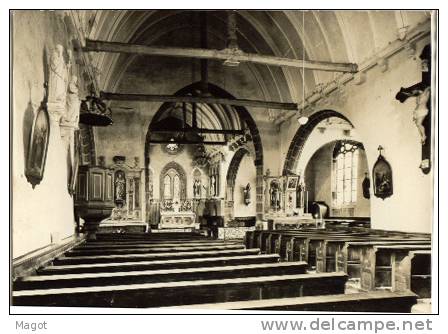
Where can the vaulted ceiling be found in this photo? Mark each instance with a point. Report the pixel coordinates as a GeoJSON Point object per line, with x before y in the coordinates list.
{"type": "Point", "coordinates": [337, 36]}
{"type": "Point", "coordinates": [332, 36]}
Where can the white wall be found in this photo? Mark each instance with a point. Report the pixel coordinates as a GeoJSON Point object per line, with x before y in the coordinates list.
{"type": "Point", "coordinates": [45, 213]}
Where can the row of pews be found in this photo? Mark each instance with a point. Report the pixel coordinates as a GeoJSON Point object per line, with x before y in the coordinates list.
{"type": "Point", "coordinates": [187, 270]}
{"type": "Point", "coordinates": [375, 259]}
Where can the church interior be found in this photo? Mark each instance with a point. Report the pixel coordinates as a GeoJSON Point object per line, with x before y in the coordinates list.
{"type": "Point", "coordinates": [226, 160]}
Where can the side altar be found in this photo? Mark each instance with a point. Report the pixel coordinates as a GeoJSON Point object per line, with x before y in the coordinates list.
{"type": "Point", "coordinates": [177, 215]}
{"type": "Point", "coordinates": [127, 215]}
{"type": "Point", "coordinates": [120, 221]}
{"type": "Point", "coordinates": [287, 202]}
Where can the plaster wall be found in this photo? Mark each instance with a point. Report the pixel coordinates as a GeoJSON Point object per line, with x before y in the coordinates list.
{"type": "Point", "coordinates": [42, 215]}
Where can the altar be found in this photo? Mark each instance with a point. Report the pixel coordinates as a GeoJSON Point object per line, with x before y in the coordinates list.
{"type": "Point", "coordinates": [174, 220]}
{"type": "Point", "coordinates": [177, 216]}
{"type": "Point", "coordinates": [120, 221]}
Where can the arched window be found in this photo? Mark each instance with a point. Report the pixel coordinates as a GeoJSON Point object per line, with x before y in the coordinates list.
{"type": "Point", "coordinates": [345, 173]}
{"type": "Point", "coordinates": [173, 183]}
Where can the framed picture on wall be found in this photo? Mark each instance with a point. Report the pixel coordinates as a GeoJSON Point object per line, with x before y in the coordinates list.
{"type": "Point", "coordinates": [382, 177]}
{"type": "Point", "coordinates": [292, 182]}
{"type": "Point", "coordinates": [38, 146]}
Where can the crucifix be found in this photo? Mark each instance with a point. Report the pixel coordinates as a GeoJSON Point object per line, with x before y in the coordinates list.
{"type": "Point", "coordinates": [422, 112]}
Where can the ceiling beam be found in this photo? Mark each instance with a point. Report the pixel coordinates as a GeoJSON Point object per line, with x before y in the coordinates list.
{"type": "Point", "coordinates": [225, 55]}
{"type": "Point", "coordinates": [198, 99]}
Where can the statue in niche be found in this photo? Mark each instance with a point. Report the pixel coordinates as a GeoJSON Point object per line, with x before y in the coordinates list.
{"type": "Point", "coordinates": [73, 103]}
{"type": "Point", "coordinates": [213, 185]}
{"type": "Point", "coordinates": [120, 187]}
{"type": "Point", "coordinates": [58, 79]}
{"type": "Point", "coordinates": [299, 195]}
{"type": "Point", "coordinates": [274, 195]}
{"type": "Point", "coordinates": [197, 188]}
{"type": "Point", "coordinates": [246, 193]}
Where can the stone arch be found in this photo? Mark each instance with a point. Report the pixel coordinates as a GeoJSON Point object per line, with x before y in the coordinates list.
{"type": "Point", "coordinates": [182, 175]}
{"type": "Point", "coordinates": [301, 136]}
{"type": "Point", "coordinates": [244, 115]}
{"type": "Point", "coordinates": [233, 171]}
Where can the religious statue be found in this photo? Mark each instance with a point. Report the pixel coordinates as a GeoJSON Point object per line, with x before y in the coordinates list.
{"type": "Point", "coordinates": [421, 109]}
{"type": "Point", "coordinates": [213, 185]}
{"type": "Point", "coordinates": [73, 103]}
{"type": "Point", "coordinates": [197, 188]}
{"type": "Point", "coordinates": [120, 187]}
{"type": "Point", "coordinates": [299, 195]}
{"type": "Point", "coordinates": [57, 89]}
{"type": "Point", "coordinates": [176, 206]}
{"type": "Point", "coordinates": [246, 192]}
{"type": "Point", "coordinates": [274, 194]}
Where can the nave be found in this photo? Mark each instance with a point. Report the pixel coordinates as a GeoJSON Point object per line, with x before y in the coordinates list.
{"type": "Point", "coordinates": [335, 269]}
{"type": "Point", "coordinates": [224, 159]}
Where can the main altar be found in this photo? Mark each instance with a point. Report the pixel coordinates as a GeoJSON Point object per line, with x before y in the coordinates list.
{"type": "Point", "coordinates": [178, 215]}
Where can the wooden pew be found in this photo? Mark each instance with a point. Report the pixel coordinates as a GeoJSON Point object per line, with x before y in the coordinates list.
{"type": "Point", "coordinates": [332, 256]}
{"type": "Point", "coordinates": [157, 276]}
{"type": "Point", "coordinates": [378, 263]}
{"type": "Point", "coordinates": [301, 246]}
{"type": "Point", "coordinates": [63, 260]}
{"type": "Point", "coordinates": [412, 271]}
{"type": "Point", "coordinates": [348, 254]}
{"type": "Point", "coordinates": [143, 244]}
{"type": "Point", "coordinates": [186, 292]}
{"type": "Point", "coordinates": [147, 236]}
{"type": "Point", "coordinates": [266, 240]}
{"type": "Point", "coordinates": [374, 301]}
{"type": "Point", "coordinates": [421, 273]}
{"type": "Point", "coordinates": [158, 264]}
{"type": "Point", "coordinates": [150, 249]}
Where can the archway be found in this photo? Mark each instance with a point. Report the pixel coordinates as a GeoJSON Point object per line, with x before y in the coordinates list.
{"type": "Point", "coordinates": [232, 173]}
{"type": "Point", "coordinates": [244, 118]}
{"type": "Point", "coordinates": [335, 176]}
{"type": "Point", "coordinates": [301, 136]}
